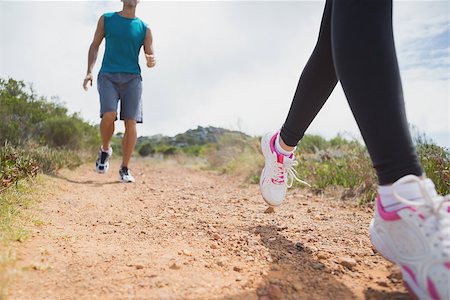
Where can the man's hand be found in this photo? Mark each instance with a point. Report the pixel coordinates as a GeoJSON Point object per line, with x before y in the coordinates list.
{"type": "Point", "coordinates": [87, 79]}
{"type": "Point", "coordinates": [151, 62]}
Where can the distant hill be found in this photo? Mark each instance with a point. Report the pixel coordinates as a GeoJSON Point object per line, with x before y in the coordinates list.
{"type": "Point", "coordinates": [199, 136]}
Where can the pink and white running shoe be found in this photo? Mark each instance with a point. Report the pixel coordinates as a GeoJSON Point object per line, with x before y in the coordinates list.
{"type": "Point", "coordinates": [416, 237]}
{"type": "Point", "coordinates": [278, 173]}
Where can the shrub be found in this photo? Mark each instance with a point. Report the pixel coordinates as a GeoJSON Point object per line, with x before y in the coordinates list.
{"type": "Point", "coordinates": [62, 132]}
{"type": "Point", "coordinates": [166, 149]}
{"type": "Point", "coordinates": [28, 118]}
{"type": "Point", "coordinates": [146, 150]}
{"type": "Point", "coordinates": [235, 153]}
{"type": "Point", "coordinates": [195, 150]}
{"type": "Point", "coordinates": [435, 161]}
{"type": "Point", "coordinates": [312, 143]}
{"type": "Point", "coordinates": [14, 166]}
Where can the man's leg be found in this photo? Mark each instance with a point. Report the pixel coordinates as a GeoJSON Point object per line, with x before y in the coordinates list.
{"type": "Point", "coordinates": [128, 141]}
{"type": "Point", "coordinates": [130, 113]}
{"type": "Point", "coordinates": [109, 97]}
{"type": "Point", "coordinates": [107, 128]}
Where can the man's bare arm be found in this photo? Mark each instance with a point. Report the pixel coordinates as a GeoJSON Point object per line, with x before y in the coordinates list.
{"type": "Point", "coordinates": [148, 49]}
{"type": "Point", "coordinates": [93, 51]}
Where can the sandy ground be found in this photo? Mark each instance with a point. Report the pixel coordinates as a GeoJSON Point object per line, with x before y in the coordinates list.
{"type": "Point", "coordinates": [179, 233]}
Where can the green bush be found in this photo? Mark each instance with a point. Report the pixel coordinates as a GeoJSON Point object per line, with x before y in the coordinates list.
{"type": "Point", "coordinates": [195, 150]}
{"type": "Point", "coordinates": [235, 153]}
{"type": "Point", "coordinates": [435, 161]}
{"type": "Point", "coordinates": [28, 118]}
{"type": "Point", "coordinates": [62, 132]}
{"type": "Point", "coordinates": [15, 165]}
{"type": "Point", "coordinates": [146, 150]}
{"type": "Point", "coordinates": [312, 143]}
{"type": "Point", "coordinates": [166, 149]}
{"type": "Point", "coordinates": [23, 112]}
{"type": "Point", "coordinates": [38, 134]}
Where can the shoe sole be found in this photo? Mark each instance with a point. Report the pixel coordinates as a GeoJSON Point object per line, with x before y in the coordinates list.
{"type": "Point", "coordinates": [125, 181]}
{"type": "Point", "coordinates": [102, 171]}
{"type": "Point", "coordinates": [389, 255]}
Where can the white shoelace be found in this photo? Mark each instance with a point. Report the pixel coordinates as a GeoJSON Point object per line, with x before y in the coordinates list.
{"type": "Point", "coordinates": [435, 210]}
{"type": "Point", "coordinates": [291, 173]}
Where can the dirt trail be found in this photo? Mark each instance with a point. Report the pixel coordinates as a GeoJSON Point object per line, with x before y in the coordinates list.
{"type": "Point", "coordinates": [179, 233]}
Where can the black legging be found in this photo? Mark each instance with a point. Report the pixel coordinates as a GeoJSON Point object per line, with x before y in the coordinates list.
{"type": "Point", "coordinates": [356, 46]}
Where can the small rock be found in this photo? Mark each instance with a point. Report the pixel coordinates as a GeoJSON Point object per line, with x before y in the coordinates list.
{"type": "Point", "coordinates": [216, 236]}
{"type": "Point", "coordinates": [187, 252]}
{"type": "Point", "coordinates": [274, 292]}
{"type": "Point", "coordinates": [270, 210]}
{"type": "Point", "coordinates": [221, 262]}
{"type": "Point", "coordinates": [396, 275]}
{"type": "Point", "coordinates": [318, 266]}
{"type": "Point", "coordinates": [238, 277]}
{"type": "Point", "coordinates": [272, 239]}
{"type": "Point", "coordinates": [347, 262]}
{"type": "Point", "coordinates": [299, 246]}
{"type": "Point", "coordinates": [237, 268]}
{"type": "Point", "coordinates": [322, 255]}
{"type": "Point", "coordinates": [313, 249]}
{"type": "Point", "coordinates": [214, 246]}
{"type": "Point", "coordinates": [382, 283]}
{"type": "Point", "coordinates": [175, 266]}
{"type": "Point", "coordinates": [297, 287]}
{"type": "Point", "coordinates": [139, 266]}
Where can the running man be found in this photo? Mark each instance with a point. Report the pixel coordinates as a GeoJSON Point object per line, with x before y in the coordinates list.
{"type": "Point", "coordinates": [120, 79]}
{"type": "Point", "coordinates": [411, 225]}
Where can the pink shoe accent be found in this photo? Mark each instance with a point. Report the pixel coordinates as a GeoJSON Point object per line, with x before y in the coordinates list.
{"type": "Point", "coordinates": [273, 149]}
{"type": "Point", "coordinates": [272, 142]}
{"type": "Point", "coordinates": [432, 290]}
{"type": "Point", "coordinates": [386, 216]}
{"type": "Point", "coordinates": [392, 215]}
{"type": "Point", "coordinates": [410, 272]}
{"type": "Point", "coordinates": [280, 158]}
{"type": "Point", "coordinates": [447, 265]}
{"type": "Point", "coordinates": [281, 181]}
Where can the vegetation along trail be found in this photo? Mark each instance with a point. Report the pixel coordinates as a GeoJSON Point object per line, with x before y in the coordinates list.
{"type": "Point", "coordinates": [182, 233]}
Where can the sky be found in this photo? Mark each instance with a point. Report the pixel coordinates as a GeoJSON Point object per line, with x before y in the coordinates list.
{"type": "Point", "coordinates": [231, 64]}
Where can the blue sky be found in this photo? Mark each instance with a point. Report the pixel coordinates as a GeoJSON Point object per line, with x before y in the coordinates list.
{"type": "Point", "coordinates": [228, 64]}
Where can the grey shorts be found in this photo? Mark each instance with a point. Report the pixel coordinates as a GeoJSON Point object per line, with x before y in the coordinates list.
{"type": "Point", "coordinates": [125, 87]}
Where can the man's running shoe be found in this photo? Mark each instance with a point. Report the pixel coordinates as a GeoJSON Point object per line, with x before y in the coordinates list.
{"type": "Point", "coordinates": [125, 175]}
{"type": "Point", "coordinates": [416, 237]}
{"type": "Point", "coordinates": [102, 163]}
{"type": "Point", "coordinates": [278, 173]}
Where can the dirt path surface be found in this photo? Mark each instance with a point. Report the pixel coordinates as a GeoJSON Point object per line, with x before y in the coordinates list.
{"type": "Point", "coordinates": [179, 233]}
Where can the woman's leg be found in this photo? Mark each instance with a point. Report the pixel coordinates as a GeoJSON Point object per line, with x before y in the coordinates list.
{"type": "Point", "coordinates": [316, 83]}
{"type": "Point", "coordinates": [366, 64]}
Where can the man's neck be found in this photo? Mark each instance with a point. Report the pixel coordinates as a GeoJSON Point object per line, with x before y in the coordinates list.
{"type": "Point", "coordinates": [128, 12]}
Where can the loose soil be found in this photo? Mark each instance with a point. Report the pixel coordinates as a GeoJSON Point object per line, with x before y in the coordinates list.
{"type": "Point", "coordinates": [181, 233]}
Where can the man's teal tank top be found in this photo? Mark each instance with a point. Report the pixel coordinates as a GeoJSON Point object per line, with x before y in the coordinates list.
{"type": "Point", "coordinates": [124, 39]}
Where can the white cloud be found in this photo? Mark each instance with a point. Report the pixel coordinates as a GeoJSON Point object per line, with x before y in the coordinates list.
{"type": "Point", "coordinates": [232, 64]}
